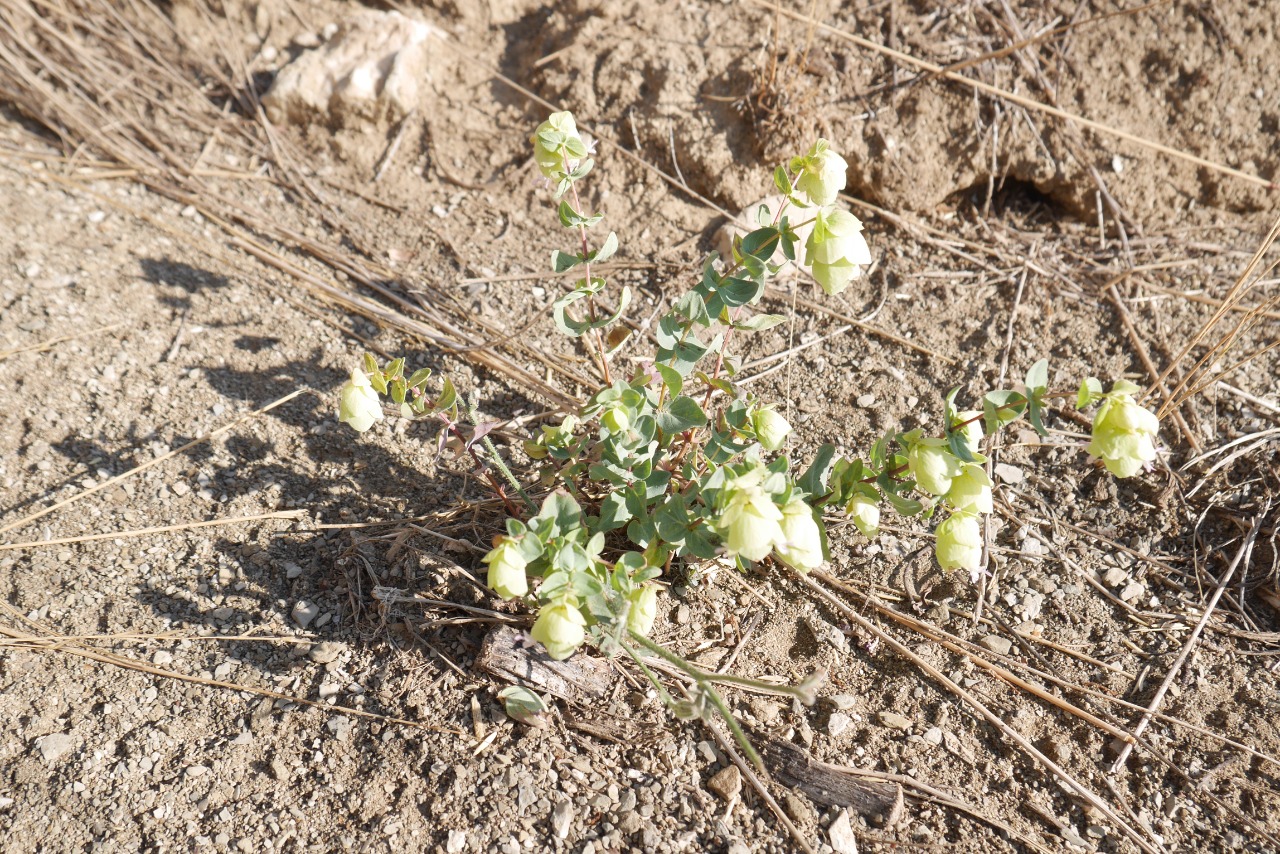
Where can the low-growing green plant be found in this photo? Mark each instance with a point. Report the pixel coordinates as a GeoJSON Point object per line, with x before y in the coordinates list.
{"type": "Point", "coordinates": [676, 462]}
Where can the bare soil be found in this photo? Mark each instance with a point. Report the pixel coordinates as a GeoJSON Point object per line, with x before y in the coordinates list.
{"type": "Point", "coordinates": [309, 681]}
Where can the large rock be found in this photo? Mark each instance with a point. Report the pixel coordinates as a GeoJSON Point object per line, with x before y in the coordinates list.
{"type": "Point", "coordinates": [375, 68]}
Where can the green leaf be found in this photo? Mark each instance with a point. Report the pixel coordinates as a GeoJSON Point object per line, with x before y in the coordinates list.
{"type": "Point", "coordinates": [1035, 413]}
{"type": "Point", "coordinates": [370, 364]}
{"type": "Point", "coordinates": [671, 519]}
{"type": "Point", "coordinates": [788, 240]}
{"type": "Point", "coordinates": [760, 322]}
{"type": "Point", "coordinates": [624, 300]}
{"type": "Point", "coordinates": [956, 442]}
{"type": "Point", "coordinates": [761, 243]}
{"type": "Point", "coordinates": [949, 416]}
{"type": "Point", "coordinates": [699, 543]}
{"type": "Point", "coordinates": [580, 172]}
{"type": "Point", "coordinates": [814, 479]}
{"type": "Point", "coordinates": [782, 180]}
{"type": "Point", "coordinates": [905, 506]}
{"type": "Point", "coordinates": [682, 413]}
{"type": "Point", "coordinates": [671, 377]}
{"type": "Point", "coordinates": [737, 291]}
{"type": "Point", "coordinates": [561, 261]}
{"type": "Point", "coordinates": [641, 531]}
{"type": "Point", "coordinates": [569, 217]}
{"type": "Point", "coordinates": [563, 511]}
{"type": "Point", "coordinates": [448, 396]}
{"type": "Point", "coordinates": [419, 378]}
{"type": "Point", "coordinates": [1038, 377]}
{"type": "Point", "coordinates": [398, 389]}
{"type": "Point", "coordinates": [607, 249]}
{"type": "Point", "coordinates": [692, 307]}
{"type": "Point", "coordinates": [378, 382]}
{"type": "Point", "coordinates": [560, 313]}
{"type": "Point", "coordinates": [523, 706]}
{"type": "Point", "coordinates": [1090, 390]}
{"type": "Point", "coordinates": [719, 383]}
{"type": "Point", "coordinates": [395, 368]}
{"type": "Point", "coordinates": [551, 139]}
{"type": "Point", "coordinates": [1001, 407]}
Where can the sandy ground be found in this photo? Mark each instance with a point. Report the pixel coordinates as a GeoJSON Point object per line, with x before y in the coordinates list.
{"type": "Point", "coordinates": [302, 673]}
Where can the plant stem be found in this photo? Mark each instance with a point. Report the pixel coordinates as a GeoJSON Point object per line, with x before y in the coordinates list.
{"type": "Point", "coordinates": [591, 300]}
{"type": "Point", "coordinates": [703, 683]}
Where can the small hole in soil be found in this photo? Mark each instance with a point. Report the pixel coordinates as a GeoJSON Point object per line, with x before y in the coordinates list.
{"type": "Point", "coordinates": [1010, 196]}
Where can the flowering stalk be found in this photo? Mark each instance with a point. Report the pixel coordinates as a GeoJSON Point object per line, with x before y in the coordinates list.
{"type": "Point", "coordinates": [591, 299]}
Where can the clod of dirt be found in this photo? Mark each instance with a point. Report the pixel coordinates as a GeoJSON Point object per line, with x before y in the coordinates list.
{"type": "Point", "coordinates": [372, 70]}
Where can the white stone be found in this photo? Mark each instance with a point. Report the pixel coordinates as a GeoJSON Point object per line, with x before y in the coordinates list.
{"type": "Point", "coordinates": [304, 612]}
{"type": "Point", "coordinates": [55, 746]}
{"type": "Point", "coordinates": [840, 835]}
{"type": "Point", "coordinates": [374, 67]}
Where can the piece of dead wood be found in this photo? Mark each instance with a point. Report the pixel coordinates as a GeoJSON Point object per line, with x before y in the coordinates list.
{"type": "Point", "coordinates": [508, 654]}
{"type": "Point", "coordinates": [833, 785]}
{"type": "Point", "coordinates": [611, 728]}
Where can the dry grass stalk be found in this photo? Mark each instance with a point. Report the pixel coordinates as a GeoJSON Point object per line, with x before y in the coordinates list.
{"type": "Point", "coordinates": [1087, 794]}
{"type": "Point", "coordinates": [162, 529]}
{"type": "Point", "coordinates": [51, 642]}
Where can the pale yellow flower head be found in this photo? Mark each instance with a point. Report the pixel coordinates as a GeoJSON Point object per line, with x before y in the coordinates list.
{"type": "Point", "coordinates": [801, 546]}
{"type": "Point", "coordinates": [1124, 432]}
{"type": "Point", "coordinates": [970, 489]}
{"type": "Point", "coordinates": [644, 609]}
{"type": "Point", "coordinates": [933, 465]}
{"type": "Point", "coordinates": [959, 542]}
{"type": "Point", "coordinates": [822, 173]}
{"type": "Point", "coordinates": [865, 514]}
{"type": "Point", "coordinates": [358, 403]}
{"type": "Point", "coordinates": [561, 628]}
{"type": "Point", "coordinates": [836, 251]}
{"type": "Point", "coordinates": [551, 158]}
{"type": "Point", "coordinates": [750, 522]}
{"type": "Point", "coordinates": [507, 576]}
{"type": "Point", "coordinates": [771, 428]}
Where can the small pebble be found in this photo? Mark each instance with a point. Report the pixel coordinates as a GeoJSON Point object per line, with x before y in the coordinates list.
{"type": "Point", "coordinates": [457, 842]}
{"type": "Point", "coordinates": [1008, 473]}
{"type": "Point", "coordinates": [893, 720]}
{"type": "Point", "coordinates": [304, 612]}
{"type": "Point", "coordinates": [562, 819]}
{"type": "Point", "coordinates": [865, 400]}
{"type": "Point", "coordinates": [55, 746]}
{"type": "Point", "coordinates": [997, 644]}
{"type": "Point", "coordinates": [326, 651]}
{"type": "Point", "coordinates": [840, 835]}
{"type": "Point", "coordinates": [837, 723]}
{"type": "Point", "coordinates": [1114, 577]}
{"type": "Point", "coordinates": [844, 702]}
{"type": "Point", "coordinates": [727, 783]}
{"type": "Point", "coordinates": [1132, 591]}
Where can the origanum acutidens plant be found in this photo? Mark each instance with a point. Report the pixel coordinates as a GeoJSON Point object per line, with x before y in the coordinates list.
{"type": "Point", "coordinates": [674, 462]}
